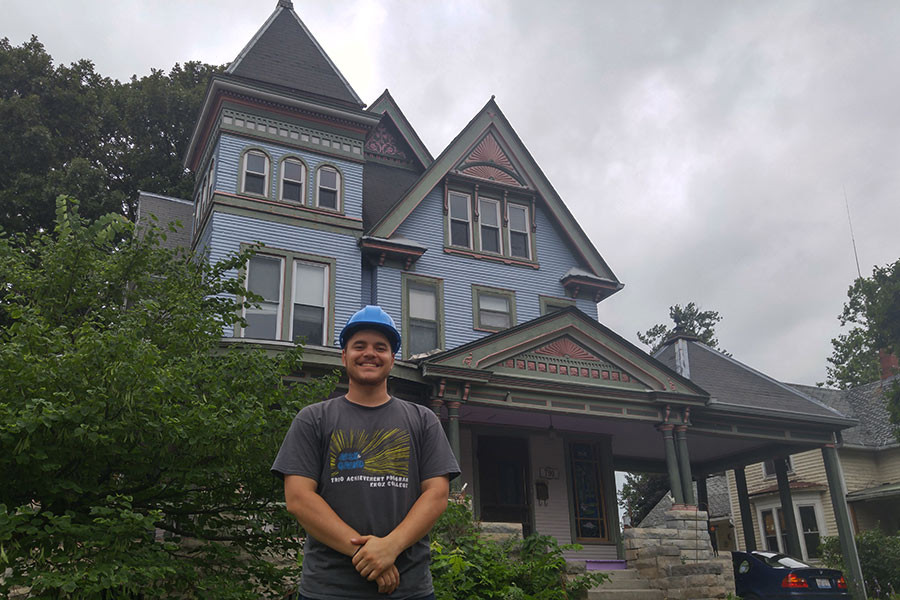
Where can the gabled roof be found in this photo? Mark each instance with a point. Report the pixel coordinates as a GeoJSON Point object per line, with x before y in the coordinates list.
{"type": "Point", "coordinates": [868, 404]}
{"type": "Point", "coordinates": [490, 121]}
{"type": "Point", "coordinates": [386, 105]}
{"type": "Point", "coordinates": [563, 348]}
{"type": "Point", "coordinates": [734, 384]}
{"type": "Point", "coordinates": [284, 53]}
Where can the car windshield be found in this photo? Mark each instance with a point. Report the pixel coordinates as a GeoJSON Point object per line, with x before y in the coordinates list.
{"type": "Point", "coordinates": [780, 561]}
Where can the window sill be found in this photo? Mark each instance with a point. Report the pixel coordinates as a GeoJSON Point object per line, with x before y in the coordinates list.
{"type": "Point", "coordinates": [507, 260]}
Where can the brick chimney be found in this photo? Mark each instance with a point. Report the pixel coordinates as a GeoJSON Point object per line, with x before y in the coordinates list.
{"type": "Point", "coordinates": [888, 363]}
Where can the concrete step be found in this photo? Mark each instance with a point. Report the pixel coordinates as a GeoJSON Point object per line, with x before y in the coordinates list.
{"type": "Point", "coordinates": [602, 593]}
{"type": "Point", "coordinates": [626, 584]}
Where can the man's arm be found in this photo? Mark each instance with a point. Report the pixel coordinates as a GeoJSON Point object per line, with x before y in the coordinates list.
{"type": "Point", "coordinates": [316, 517]}
{"type": "Point", "coordinates": [320, 520]}
{"type": "Point", "coordinates": [378, 554]}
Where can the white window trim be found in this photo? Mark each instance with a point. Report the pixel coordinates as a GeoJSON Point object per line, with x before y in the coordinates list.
{"type": "Point", "coordinates": [450, 219]}
{"type": "Point", "coordinates": [279, 312]}
{"type": "Point", "coordinates": [527, 232]}
{"type": "Point", "coordinates": [813, 499]}
{"type": "Point", "coordinates": [496, 204]}
{"type": "Point", "coordinates": [325, 289]}
{"type": "Point", "coordinates": [302, 180]}
{"type": "Point", "coordinates": [267, 168]}
{"type": "Point", "coordinates": [339, 200]}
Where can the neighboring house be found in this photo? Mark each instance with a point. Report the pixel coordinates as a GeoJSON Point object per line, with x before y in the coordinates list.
{"type": "Point", "coordinates": [493, 284]}
{"type": "Point", "coordinates": [870, 459]}
{"type": "Point", "coordinates": [717, 506]}
{"type": "Point", "coordinates": [172, 216]}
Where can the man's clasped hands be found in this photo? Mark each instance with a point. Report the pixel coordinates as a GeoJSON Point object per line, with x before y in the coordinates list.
{"type": "Point", "coordinates": [374, 560]}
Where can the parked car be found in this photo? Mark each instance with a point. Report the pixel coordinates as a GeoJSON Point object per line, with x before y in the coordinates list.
{"type": "Point", "coordinates": [769, 575]}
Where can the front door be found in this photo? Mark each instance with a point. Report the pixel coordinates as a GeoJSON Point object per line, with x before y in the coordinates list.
{"type": "Point", "coordinates": [503, 480]}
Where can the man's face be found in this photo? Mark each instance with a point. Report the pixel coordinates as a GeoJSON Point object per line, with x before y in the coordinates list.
{"type": "Point", "coordinates": [368, 357]}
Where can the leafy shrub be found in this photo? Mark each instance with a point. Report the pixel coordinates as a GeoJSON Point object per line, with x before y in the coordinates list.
{"type": "Point", "coordinates": [466, 565]}
{"type": "Point", "coordinates": [879, 556]}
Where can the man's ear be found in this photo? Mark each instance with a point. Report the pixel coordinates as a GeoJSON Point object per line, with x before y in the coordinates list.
{"type": "Point", "coordinates": [344, 356]}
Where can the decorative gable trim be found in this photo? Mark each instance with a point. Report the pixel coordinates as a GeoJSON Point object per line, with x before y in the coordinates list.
{"type": "Point", "coordinates": [386, 143]}
{"type": "Point", "coordinates": [490, 118]}
{"type": "Point", "coordinates": [386, 105]}
{"type": "Point", "coordinates": [488, 161]}
{"type": "Point", "coordinates": [591, 355]}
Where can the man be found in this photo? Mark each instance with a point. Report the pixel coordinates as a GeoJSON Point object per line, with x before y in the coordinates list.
{"type": "Point", "coordinates": [366, 475]}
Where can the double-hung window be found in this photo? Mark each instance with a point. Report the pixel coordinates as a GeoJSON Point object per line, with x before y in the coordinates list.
{"type": "Point", "coordinates": [328, 188]}
{"type": "Point", "coordinates": [309, 302]}
{"type": "Point", "coordinates": [264, 279]}
{"type": "Point", "coordinates": [489, 217]}
{"type": "Point", "coordinates": [256, 173]}
{"type": "Point", "coordinates": [519, 232]}
{"type": "Point", "coordinates": [422, 315]}
{"type": "Point", "coordinates": [293, 174]}
{"type": "Point", "coordinates": [460, 220]}
{"type": "Point", "coordinates": [296, 291]}
{"type": "Point", "coordinates": [494, 309]}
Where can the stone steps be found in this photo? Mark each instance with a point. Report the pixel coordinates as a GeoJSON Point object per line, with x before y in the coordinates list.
{"type": "Point", "coordinates": [625, 584]}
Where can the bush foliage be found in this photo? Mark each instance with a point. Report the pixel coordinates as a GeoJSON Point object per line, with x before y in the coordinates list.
{"type": "Point", "coordinates": [879, 556]}
{"type": "Point", "coordinates": [466, 565]}
{"type": "Point", "coordinates": [136, 451]}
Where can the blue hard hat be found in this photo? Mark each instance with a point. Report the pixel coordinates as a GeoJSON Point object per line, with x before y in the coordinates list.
{"type": "Point", "coordinates": [371, 317]}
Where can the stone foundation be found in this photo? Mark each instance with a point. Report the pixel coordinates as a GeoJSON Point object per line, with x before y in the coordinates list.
{"type": "Point", "coordinates": [678, 558]}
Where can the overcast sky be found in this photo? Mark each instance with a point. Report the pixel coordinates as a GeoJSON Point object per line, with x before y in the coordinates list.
{"type": "Point", "coordinates": [705, 147]}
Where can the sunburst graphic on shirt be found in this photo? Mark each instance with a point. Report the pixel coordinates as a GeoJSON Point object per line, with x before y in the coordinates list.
{"type": "Point", "coordinates": [379, 452]}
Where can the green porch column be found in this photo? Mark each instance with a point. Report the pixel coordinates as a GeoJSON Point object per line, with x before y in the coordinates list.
{"type": "Point", "coordinates": [453, 434]}
{"type": "Point", "coordinates": [787, 508]}
{"type": "Point", "coordinates": [672, 463]}
{"type": "Point", "coordinates": [842, 516]}
{"type": "Point", "coordinates": [684, 464]}
{"type": "Point", "coordinates": [740, 481]}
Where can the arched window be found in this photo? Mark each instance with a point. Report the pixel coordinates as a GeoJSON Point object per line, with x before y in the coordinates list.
{"type": "Point", "coordinates": [256, 173]}
{"type": "Point", "coordinates": [328, 188]}
{"type": "Point", "coordinates": [293, 178]}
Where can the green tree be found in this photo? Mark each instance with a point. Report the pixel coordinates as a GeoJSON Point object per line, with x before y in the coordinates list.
{"type": "Point", "coordinates": [69, 130]}
{"type": "Point", "coordinates": [872, 314]}
{"type": "Point", "coordinates": [689, 319]}
{"type": "Point", "coordinates": [136, 448]}
{"type": "Point", "coordinates": [641, 492]}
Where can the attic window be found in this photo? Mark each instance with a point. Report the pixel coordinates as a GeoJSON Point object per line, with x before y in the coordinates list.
{"type": "Point", "coordinates": [328, 189]}
{"type": "Point", "coordinates": [519, 234]}
{"type": "Point", "coordinates": [293, 174]}
{"type": "Point", "coordinates": [460, 220]}
{"type": "Point", "coordinates": [256, 172]}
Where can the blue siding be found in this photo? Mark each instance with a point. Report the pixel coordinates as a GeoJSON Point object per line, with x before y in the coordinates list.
{"type": "Point", "coordinates": [426, 226]}
{"type": "Point", "coordinates": [229, 231]}
{"type": "Point", "coordinates": [231, 147]}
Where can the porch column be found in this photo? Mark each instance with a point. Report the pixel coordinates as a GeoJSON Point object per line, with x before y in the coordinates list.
{"type": "Point", "coordinates": [787, 508]}
{"type": "Point", "coordinates": [845, 534]}
{"type": "Point", "coordinates": [453, 434]}
{"type": "Point", "coordinates": [672, 463]}
{"type": "Point", "coordinates": [684, 465]}
{"type": "Point", "coordinates": [740, 481]}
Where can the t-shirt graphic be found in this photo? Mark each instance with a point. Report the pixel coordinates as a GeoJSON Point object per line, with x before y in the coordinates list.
{"type": "Point", "coordinates": [379, 457]}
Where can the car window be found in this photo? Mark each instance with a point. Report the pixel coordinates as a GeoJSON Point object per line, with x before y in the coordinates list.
{"type": "Point", "coordinates": [780, 561]}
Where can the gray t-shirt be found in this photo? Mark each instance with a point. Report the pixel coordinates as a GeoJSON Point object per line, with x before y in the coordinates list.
{"type": "Point", "coordinates": [369, 463]}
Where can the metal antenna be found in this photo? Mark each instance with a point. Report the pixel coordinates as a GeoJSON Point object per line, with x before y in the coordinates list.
{"type": "Point", "coordinates": [852, 238]}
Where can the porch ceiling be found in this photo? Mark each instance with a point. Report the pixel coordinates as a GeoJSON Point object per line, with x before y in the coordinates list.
{"type": "Point", "coordinates": [636, 445]}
